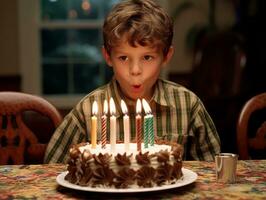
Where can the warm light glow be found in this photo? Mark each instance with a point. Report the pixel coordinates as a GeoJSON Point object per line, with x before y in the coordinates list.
{"type": "Point", "coordinates": [86, 6]}
{"type": "Point", "coordinates": [138, 107]}
{"type": "Point", "coordinates": [72, 14]}
{"type": "Point", "coordinates": [146, 106]}
{"type": "Point", "coordinates": [94, 108]}
{"type": "Point", "coordinates": [105, 107]}
{"type": "Point", "coordinates": [112, 106]}
{"type": "Point", "coordinates": [124, 107]}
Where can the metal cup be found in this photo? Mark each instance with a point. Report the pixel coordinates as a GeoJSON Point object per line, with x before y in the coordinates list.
{"type": "Point", "coordinates": [226, 164]}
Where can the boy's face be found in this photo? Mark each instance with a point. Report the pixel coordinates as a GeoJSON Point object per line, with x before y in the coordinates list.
{"type": "Point", "coordinates": [136, 68]}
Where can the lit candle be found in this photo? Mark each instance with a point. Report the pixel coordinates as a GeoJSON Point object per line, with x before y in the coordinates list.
{"type": "Point", "coordinates": [148, 125]}
{"type": "Point", "coordinates": [138, 125]}
{"type": "Point", "coordinates": [126, 125]}
{"type": "Point", "coordinates": [104, 123]}
{"type": "Point", "coordinates": [94, 125]}
{"type": "Point", "coordinates": [112, 125]}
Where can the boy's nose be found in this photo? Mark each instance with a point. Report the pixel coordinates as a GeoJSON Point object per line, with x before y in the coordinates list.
{"type": "Point", "coordinates": [135, 69]}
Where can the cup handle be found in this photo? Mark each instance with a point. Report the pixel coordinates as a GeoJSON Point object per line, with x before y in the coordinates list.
{"type": "Point", "coordinates": [219, 164]}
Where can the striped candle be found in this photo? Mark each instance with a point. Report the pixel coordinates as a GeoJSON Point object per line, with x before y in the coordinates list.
{"type": "Point", "coordinates": [94, 125]}
{"type": "Point", "coordinates": [151, 130]}
{"type": "Point", "coordinates": [138, 125]}
{"type": "Point", "coordinates": [148, 124]}
{"type": "Point", "coordinates": [104, 124]}
{"type": "Point", "coordinates": [146, 131]}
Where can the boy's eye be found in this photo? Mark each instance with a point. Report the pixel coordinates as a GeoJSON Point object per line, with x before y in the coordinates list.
{"type": "Point", "coordinates": [147, 57]}
{"type": "Point", "coordinates": [123, 58]}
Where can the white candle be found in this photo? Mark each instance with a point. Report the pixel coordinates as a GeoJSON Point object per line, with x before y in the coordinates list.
{"type": "Point", "coordinates": [94, 125]}
{"type": "Point", "coordinates": [126, 126]}
{"type": "Point", "coordinates": [112, 125]}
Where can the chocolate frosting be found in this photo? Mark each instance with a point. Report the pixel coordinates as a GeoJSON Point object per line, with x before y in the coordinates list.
{"type": "Point", "coordinates": [163, 156]}
{"type": "Point", "coordinates": [145, 176]}
{"type": "Point", "coordinates": [123, 159]}
{"type": "Point", "coordinates": [102, 159]}
{"type": "Point", "coordinates": [85, 179]}
{"type": "Point", "coordinates": [164, 174]}
{"type": "Point", "coordinates": [177, 151]}
{"type": "Point", "coordinates": [143, 159]}
{"type": "Point", "coordinates": [124, 178]}
{"type": "Point", "coordinates": [177, 172]}
{"type": "Point", "coordinates": [71, 177]}
{"type": "Point", "coordinates": [88, 169]}
{"type": "Point", "coordinates": [74, 153]}
{"type": "Point", "coordinates": [103, 176]}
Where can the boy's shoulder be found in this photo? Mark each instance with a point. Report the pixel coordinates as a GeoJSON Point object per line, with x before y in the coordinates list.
{"type": "Point", "coordinates": [170, 85]}
{"type": "Point", "coordinates": [169, 93]}
{"type": "Point", "coordinates": [99, 94]}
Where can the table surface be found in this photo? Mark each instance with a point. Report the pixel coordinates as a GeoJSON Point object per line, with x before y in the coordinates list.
{"type": "Point", "coordinates": [39, 182]}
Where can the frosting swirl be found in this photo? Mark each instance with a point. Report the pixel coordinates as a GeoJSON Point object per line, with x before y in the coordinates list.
{"type": "Point", "coordinates": [163, 156]}
{"type": "Point", "coordinates": [143, 159]}
{"type": "Point", "coordinates": [102, 159]}
{"type": "Point", "coordinates": [103, 176]}
{"type": "Point", "coordinates": [123, 159]}
{"type": "Point", "coordinates": [145, 176]}
{"type": "Point", "coordinates": [124, 178]}
{"type": "Point", "coordinates": [164, 174]}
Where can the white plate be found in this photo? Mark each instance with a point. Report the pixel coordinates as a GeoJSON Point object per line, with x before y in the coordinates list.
{"type": "Point", "coordinates": [188, 177]}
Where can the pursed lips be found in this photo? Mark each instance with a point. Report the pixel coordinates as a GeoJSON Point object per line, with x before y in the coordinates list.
{"type": "Point", "coordinates": [136, 87]}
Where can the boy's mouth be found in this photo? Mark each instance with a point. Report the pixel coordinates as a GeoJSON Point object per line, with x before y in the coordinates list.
{"type": "Point", "coordinates": [136, 86]}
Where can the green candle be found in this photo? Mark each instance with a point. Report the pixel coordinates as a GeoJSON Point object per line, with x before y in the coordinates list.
{"type": "Point", "coordinates": [148, 125]}
{"type": "Point", "coordinates": [146, 131]}
{"type": "Point", "coordinates": [151, 130]}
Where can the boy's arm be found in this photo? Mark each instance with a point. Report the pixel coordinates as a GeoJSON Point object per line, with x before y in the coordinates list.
{"type": "Point", "coordinates": [205, 143]}
{"type": "Point", "coordinates": [70, 131]}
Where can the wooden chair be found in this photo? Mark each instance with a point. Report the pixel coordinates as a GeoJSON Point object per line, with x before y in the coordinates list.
{"type": "Point", "coordinates": [245, 144]}
{"type": "Point", "coordinates": [17, 140]}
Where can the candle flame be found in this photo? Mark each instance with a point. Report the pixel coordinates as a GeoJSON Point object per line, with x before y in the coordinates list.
{"type": "Point", "coordinates": [112, 106]}
{"type": "Point", "coordinates": [94, 108]}
{"type": "Point", "coordinates": [138, 107]}
{"type": "Point", "coordinates": [124, 107]}
{"type": "Point", "coordinates": [146, 106]}
{"type": "Point", "coordinates": [105, 107]}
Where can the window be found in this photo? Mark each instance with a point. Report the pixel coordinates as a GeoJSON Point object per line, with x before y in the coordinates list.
{"type": "Point", "coordinates": [71, 45]}
{"type": "Point", "coordinates": [68, 38]}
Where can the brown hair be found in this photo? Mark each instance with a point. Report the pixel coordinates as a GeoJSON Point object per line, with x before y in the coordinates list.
{"type": "Point", "coordinates": [143, 22]}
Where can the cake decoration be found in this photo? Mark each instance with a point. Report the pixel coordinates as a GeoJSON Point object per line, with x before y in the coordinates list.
{"type": "Point", "coordinates": [125, 165]}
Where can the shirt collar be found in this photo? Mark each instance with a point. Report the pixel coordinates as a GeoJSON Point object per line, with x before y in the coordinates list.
{"type": "Point", "coordinates": [162, 95]}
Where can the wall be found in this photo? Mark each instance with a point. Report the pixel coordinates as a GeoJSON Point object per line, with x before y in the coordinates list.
{"type": "Point", "coordinates": [9, 64]}
{"type": "Point", "coordinates": [196, 15]}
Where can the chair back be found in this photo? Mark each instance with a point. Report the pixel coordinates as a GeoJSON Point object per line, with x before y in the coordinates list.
{"type": "Point", "coordinates": [17, 140]}
{"type": "Point", "coordinates": [244, 142]}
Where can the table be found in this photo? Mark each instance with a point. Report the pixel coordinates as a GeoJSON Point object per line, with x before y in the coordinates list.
{"type": "Point", "coordinates": [38, 182]}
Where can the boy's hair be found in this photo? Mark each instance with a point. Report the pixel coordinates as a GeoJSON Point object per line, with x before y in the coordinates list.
{"type": "Point", "coordinates": [143, 22]}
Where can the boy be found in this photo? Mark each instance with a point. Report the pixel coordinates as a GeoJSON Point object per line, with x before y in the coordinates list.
{"type": "Point", "coordinates": [137, 45]}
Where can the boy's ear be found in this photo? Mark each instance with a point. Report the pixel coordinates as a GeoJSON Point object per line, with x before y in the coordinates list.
{"type": "Point", "coordinates": [106, 56]}
{"type": "Point", "coordinates": [168, 56]}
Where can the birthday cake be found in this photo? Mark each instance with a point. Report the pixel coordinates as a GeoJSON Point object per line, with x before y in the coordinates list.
{"type": "Point", "coordinates": [154, 166]}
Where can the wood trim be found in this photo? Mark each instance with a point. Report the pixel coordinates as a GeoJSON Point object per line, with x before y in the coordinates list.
{"type": "Point", "coordinates": [10, 83]}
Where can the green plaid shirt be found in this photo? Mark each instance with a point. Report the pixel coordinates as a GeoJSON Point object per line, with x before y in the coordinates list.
{"type": "Point", "coordinates": [179, 116]}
